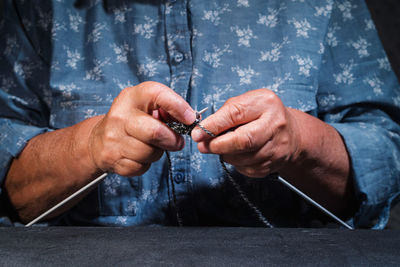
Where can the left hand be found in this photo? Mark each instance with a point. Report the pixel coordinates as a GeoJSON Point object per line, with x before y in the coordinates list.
{"type": "Point", "coordinates": [264, 137]}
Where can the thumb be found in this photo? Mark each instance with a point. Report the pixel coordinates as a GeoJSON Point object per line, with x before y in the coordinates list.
{"type": "Point", "coordinates": [152, 96]}
{"type": "Point", "coordinates": [235, 112]}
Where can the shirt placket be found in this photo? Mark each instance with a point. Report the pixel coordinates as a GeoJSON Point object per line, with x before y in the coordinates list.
{"type": "Point", "coordinates": [178, 39]}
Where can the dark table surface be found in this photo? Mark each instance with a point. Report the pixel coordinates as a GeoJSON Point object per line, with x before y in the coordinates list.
{"type": "Point", "coordinates": [214, 246]}
{"type": "Point", "coordinates": [138, 246]}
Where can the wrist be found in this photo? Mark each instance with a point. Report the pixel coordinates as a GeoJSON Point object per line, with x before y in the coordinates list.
{"type": "Point", "coordinates": [319, 150]}
{"type": "Point", "coordinates": [82, 148]}
{"type": "Point", "coordinates": [298, 151]}
{"type": "Point", "coordinates": [304, 139]}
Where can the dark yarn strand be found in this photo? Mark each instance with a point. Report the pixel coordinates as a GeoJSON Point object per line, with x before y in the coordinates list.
{"type": "Point", "coordinates": [181, 128]}
{"type": "Point", "coordinates": [253, 207]}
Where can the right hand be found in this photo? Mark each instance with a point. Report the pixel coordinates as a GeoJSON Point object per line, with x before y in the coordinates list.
{"type": "Point", "coordinates": [129, 137]}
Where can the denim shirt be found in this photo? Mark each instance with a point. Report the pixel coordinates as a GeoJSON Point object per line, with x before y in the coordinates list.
{"type": "Point", "coordinates": [65, 61]}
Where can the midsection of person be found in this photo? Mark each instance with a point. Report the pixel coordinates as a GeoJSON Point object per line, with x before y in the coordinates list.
{"type": "Point", "coordinates": [208, 53]}
{"type": "Point", "coordinates": [206, 64]}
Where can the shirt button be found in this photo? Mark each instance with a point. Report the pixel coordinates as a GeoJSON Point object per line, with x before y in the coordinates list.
{"type": "Point", "coordinates": [179, 178]}
{"type": "Point", "coordinates": [178, 57]}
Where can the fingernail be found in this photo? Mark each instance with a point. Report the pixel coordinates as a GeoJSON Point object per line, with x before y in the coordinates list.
{"type": "Point", "coordinates": [197, 134]}
{"type": "Point", "coordinates": [189, 116]}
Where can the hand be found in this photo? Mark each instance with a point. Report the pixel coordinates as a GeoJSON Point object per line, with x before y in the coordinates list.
{"type": "Point", "coordinates": [264, 138]}
{"type": "Point", "coordinates": [131, 136]}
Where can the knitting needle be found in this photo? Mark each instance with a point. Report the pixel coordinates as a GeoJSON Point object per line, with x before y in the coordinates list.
{"type": "Point", "coordinates": [202, 111]}
{"type": "Point", "coordinates": [83, 189]}
{"type": "Point", "coordinates": [313, 202]}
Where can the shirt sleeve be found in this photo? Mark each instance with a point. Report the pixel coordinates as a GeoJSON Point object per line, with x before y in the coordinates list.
{"type": "Point", "coordinates": [24, 87]}
{"type": "Point", "coordinates": [358, 94]}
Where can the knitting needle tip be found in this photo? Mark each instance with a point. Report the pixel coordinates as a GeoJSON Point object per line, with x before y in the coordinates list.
{"type": "Point", "coordinates": [202, 111]}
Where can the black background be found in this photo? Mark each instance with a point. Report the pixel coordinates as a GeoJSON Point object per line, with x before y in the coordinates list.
{"type": "Point", "coordinates": [386, 15]}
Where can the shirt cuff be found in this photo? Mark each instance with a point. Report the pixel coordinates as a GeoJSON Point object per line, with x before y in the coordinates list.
{"type": "Point", "coordinates": [373, 161]}
{"type": "Point", "coordinates": [13, 138]}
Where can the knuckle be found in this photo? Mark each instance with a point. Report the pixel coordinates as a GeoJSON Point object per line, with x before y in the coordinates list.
{"type": "Point", "coordinates": [155, 133]}
{"type": "Point", "coordinates": [155, 89]}
{"type": "Point", "coordinates": [126, 91]}
{"type": "Point", "coordinates": [270, 98]}
{"type": "Point", "coordinates": [279, 129]}
{"type": "Point", "coordinates": [256, 173]}
{"type": "Point", "coordinates": [285, 141]}
{"type": "Point", "coordinates": [279, 124]}
{"type": "Point", "coordinates": [114, 116]}
{"type": "Point", "coordinates": [269, 95]}
{"type": "Point", "coordinates": [249, 171]}
{"type": "Point", "coordinates": [151, 85]}
{"type": "Point", "coordinates": [236, 111]}
{"type": "Point", "coordinates": [138, 122]}
{"type": "Point", "coordinates": [282, 123]}
{"type": "Point", "coordinates": [147, 94]}
{"type": "Point", "coordinates": [107, 158]}
{"type": "Point", "coordinates": [245, 141]}
{"type": "Point", "coordinates": [110, 136]}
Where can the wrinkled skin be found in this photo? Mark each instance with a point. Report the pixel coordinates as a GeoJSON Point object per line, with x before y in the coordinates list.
{"type": "Point", "coordinates": [263, 137]}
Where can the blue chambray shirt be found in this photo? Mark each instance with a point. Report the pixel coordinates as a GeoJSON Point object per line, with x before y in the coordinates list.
{"type": "Point", "coordinates": [65, 61]}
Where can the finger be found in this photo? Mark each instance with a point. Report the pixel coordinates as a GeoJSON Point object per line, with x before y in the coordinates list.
{"type": "Point", "coordinates": [156, 114]}
{"type": "Point", "coordinates": [162, 115]}
{"type": "Point", "coordinates": [165, 116]}
{"type": "Point", "coordinates": [138, 151]}
{"type": "Point", "coordinates": [149, 130]}
{"type": "Point", "coordinates": [236, 111]}
{"type": "Point", "coordinates": [250, 158]}
{"type": "Point", "coordinates": [127, 167]}
{"type": "Point", "coordinates": [246, 138]}
{"type": "Point", "coordinates": [150, 96]}
{"type": "Point", "coordinates": [256, 171]}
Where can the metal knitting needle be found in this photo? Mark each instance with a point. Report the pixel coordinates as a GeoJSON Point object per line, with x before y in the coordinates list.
{"type": "Point", "coordinates": [313, 202]}
{"type": "Point", "coordinates": [202, 111]}
{"type": "Point", "coordinates": [83, 189]}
